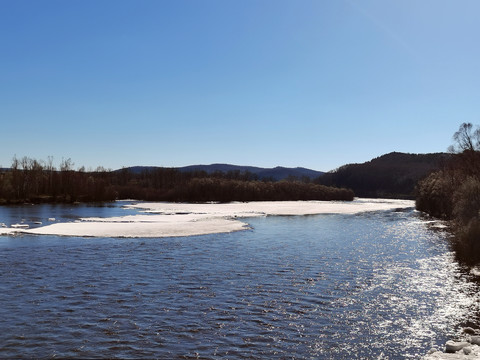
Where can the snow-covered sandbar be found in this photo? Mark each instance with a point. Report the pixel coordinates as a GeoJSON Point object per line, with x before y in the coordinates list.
{"type": "Point", "coordinates": [181, 219]}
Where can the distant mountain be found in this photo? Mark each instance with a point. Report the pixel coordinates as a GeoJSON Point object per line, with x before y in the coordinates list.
{"type": "Point", "coordinates": [220, 167]}
{"type": "Point", "coordinates": [392, 175]}
{"type": "Point", "coordinates": [276, 174]}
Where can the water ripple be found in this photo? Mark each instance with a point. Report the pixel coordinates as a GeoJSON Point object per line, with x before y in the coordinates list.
{"type": "Point", "coordinates": [320, 287]}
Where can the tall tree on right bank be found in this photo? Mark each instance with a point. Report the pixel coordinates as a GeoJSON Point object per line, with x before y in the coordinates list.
{"type": "Point", "coordinates": [453, 193]}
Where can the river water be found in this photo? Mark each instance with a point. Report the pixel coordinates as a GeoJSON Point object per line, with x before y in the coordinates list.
{"type": "Point", "coordinates": [380, 285]}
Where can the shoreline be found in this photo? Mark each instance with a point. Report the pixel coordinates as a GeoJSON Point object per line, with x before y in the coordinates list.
{"type": "Point", "coordinates": [186, 219]}
{"type": "Point", "coordinates": [469, 348]}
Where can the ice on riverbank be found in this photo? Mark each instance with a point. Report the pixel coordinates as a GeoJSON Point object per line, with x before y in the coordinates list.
{"type": "Point", "coordinates": [262, 208]}
{"type": "Point", "coordinates": [180, 219]}
{"type": "Point", "coordinates": [463, 350]}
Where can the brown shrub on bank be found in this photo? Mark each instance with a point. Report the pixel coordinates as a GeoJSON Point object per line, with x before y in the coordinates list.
{"type": "Point", "coordinates": [454, 193]}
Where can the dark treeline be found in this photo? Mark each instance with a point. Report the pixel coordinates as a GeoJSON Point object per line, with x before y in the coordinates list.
{"type": "Point", "coordinates": [393, 175]}
{"type": "Point", "coordinates": [215, 189]}
{"type": "Point", "coordinates": [453, 193]}
{"type": "Point", "coordinates": [31, 180]}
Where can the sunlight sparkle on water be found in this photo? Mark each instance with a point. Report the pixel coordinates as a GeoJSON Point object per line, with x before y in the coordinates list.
{"type": "Point", "coordinates": [366, 285]}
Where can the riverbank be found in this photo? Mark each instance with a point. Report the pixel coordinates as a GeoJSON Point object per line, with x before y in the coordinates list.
{"type": "Point", "coordinates": [182, 219]}
{"type": "Point", "coordinates": [457, 350]}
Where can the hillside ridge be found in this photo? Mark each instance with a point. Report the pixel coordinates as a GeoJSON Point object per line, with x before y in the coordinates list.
{"type": "Point", "coordinates": [392, 175]}
{"type": "Point", "coordinates": [277, 173]}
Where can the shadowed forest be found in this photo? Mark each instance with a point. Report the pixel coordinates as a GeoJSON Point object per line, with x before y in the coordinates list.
{"type": "Point", "coordinates": [37, 181]}
{"type": "Point", "coordinates": [394, 175]}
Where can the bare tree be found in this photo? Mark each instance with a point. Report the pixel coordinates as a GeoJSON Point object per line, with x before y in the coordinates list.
{"type": "Point", "coordinates": [466, 139]}
{"type": "Point", "coordinates": [16, 176]}
{"type": "Point", "coordinates": [467, 149]}
{"type": "Point", "coordinates": [50, 167]}
{"type": "Point", "coordinates": [66, 165]}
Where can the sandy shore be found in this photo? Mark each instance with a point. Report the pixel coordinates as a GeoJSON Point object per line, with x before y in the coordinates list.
{"type": "Point", "coordinates": [179, 219]}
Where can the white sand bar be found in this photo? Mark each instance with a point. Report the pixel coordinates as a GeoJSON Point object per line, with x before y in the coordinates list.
{"type": "Point", "coordinates": [180, 219]}
{"type": "Point", "coordinates": [264, 208]}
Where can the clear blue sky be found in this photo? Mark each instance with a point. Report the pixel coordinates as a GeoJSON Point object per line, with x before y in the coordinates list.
{"type": "Point", "coordinates": [250, 82]}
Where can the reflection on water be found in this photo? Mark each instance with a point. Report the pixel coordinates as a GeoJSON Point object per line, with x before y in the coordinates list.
{"type": "Point", "coordinates": [40, 215]}
{"type": "Point", "coordinates": [326, 286]}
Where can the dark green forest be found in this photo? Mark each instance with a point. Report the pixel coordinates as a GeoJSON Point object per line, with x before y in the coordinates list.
{"type": "Point", "coordinates": [37, 181]}
{"type": "Point", "coordinates": [453, 193]}
{"type": "Point", "coordinates": [394, 175]}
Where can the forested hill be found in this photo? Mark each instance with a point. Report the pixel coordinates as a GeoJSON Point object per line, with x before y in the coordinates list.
{"type": "Point", "coordinates": [393, 175]}
{"type": "Point", "coordinates": [33, 181]}
{"type": "Point", "coordinates": [274, 174]}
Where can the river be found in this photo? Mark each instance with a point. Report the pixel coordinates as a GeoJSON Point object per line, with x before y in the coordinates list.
{"type": "Point", "coordinates": [373, 285]}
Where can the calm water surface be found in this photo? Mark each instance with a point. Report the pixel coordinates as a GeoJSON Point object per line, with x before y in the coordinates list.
{"type": "Point", "coordinates": [376, 285]}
